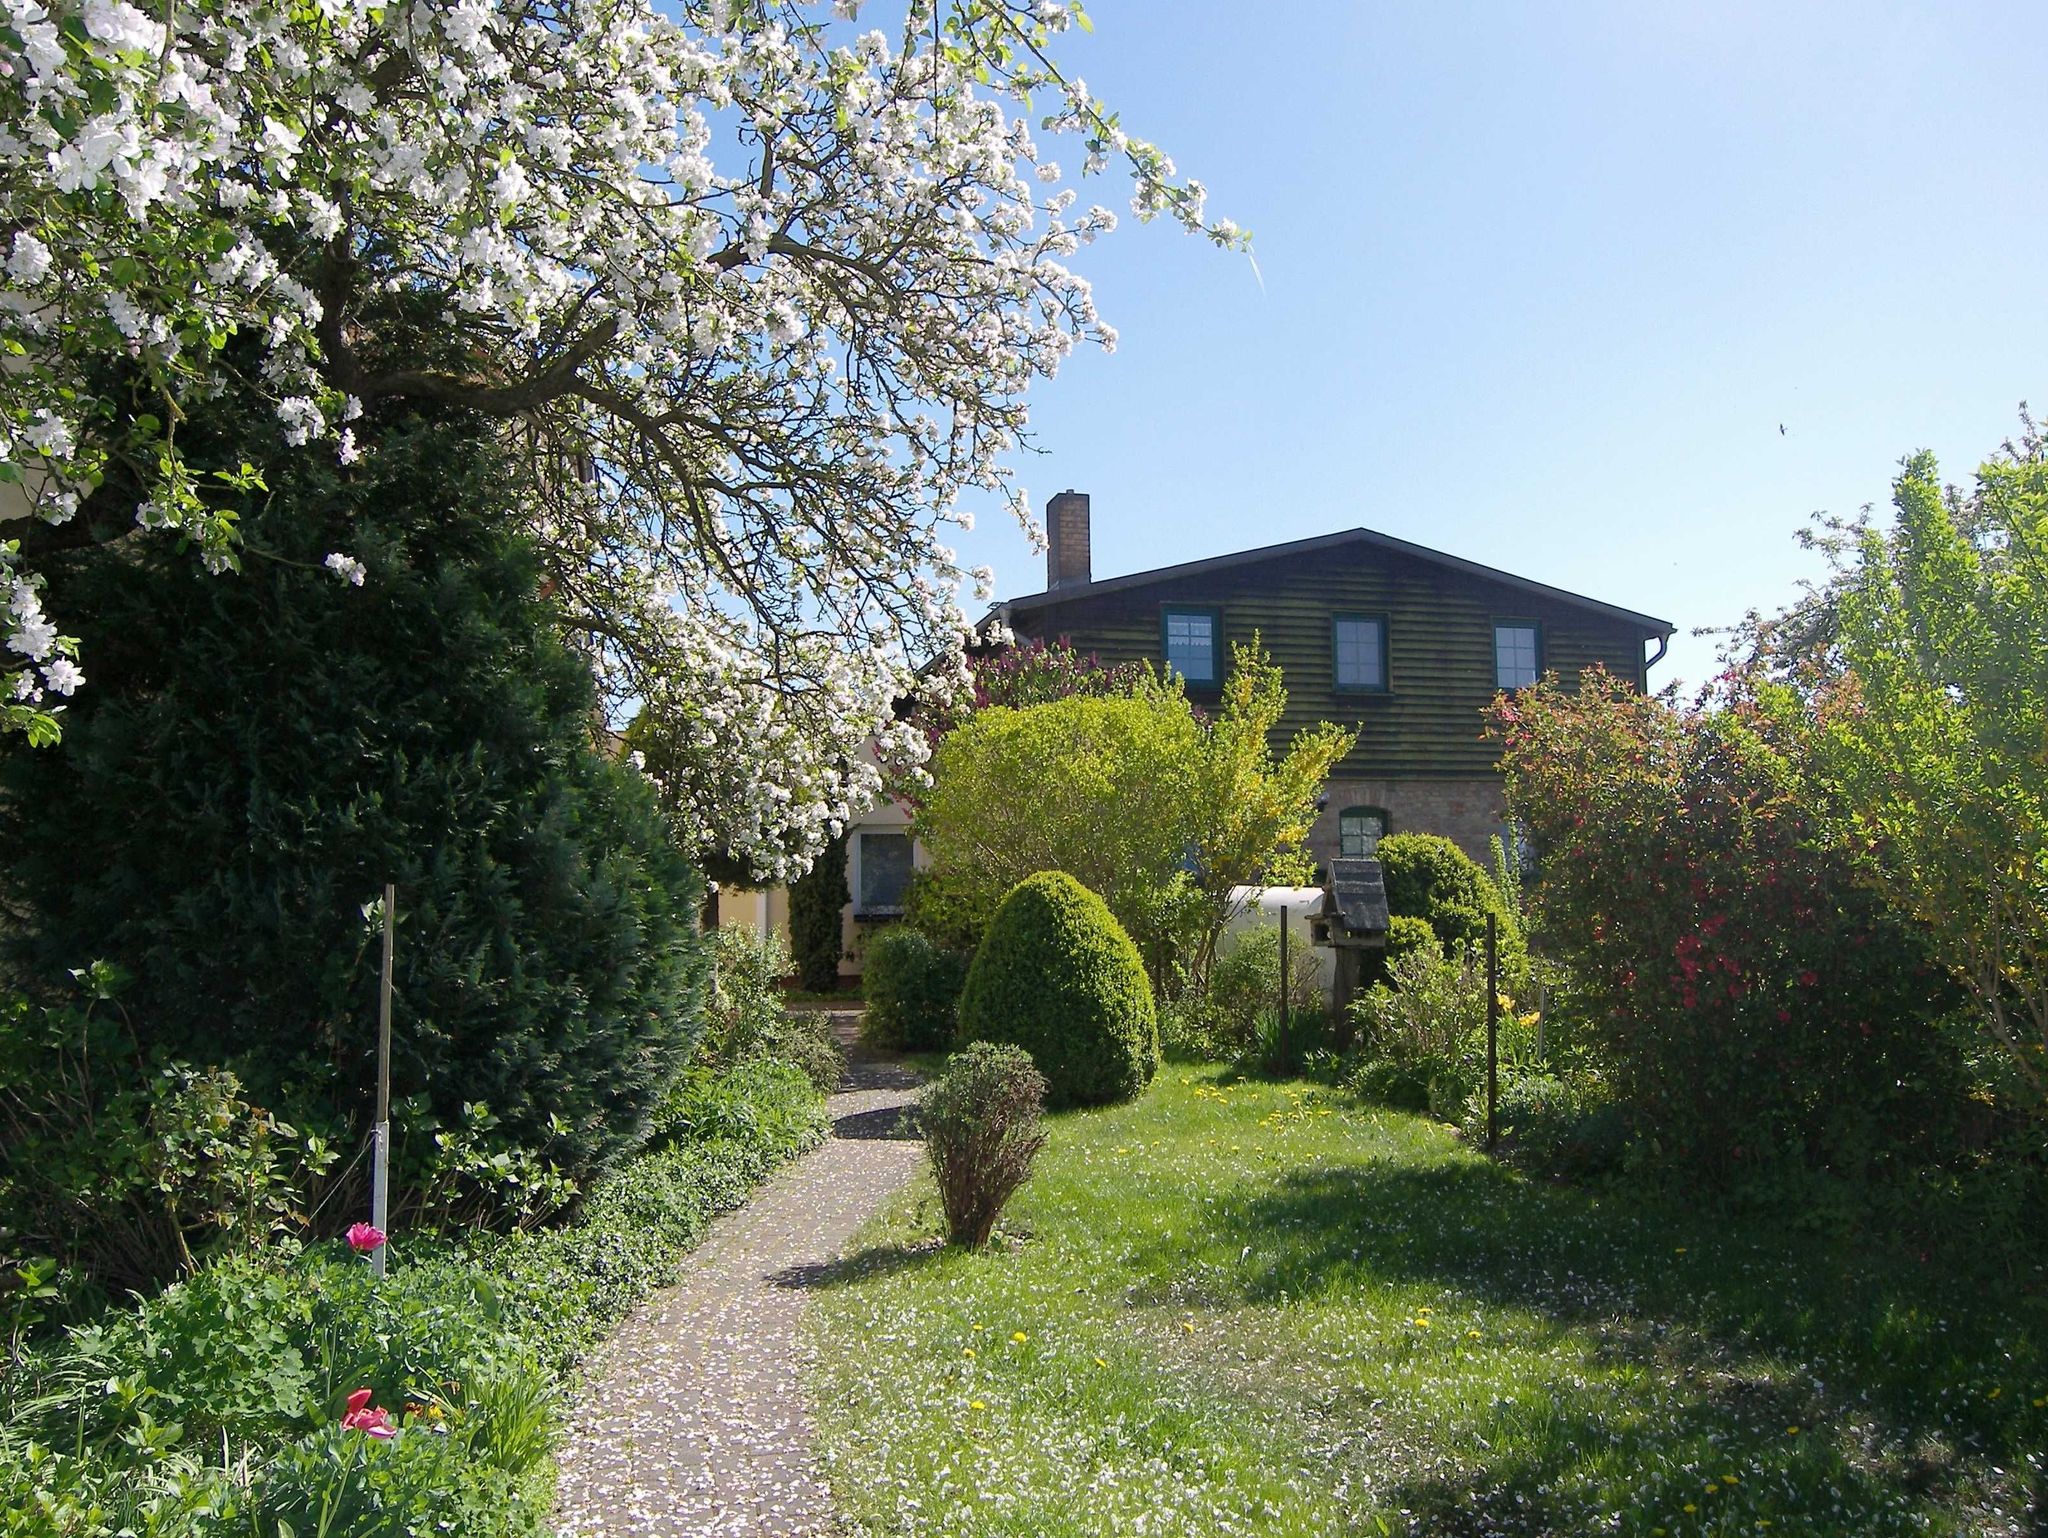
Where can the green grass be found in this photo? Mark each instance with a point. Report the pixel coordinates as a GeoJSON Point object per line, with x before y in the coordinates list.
{"type": "Point", "coordinates": [1249, 1308]}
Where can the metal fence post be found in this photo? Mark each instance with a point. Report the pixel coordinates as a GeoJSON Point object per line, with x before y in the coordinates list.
{"type": "Point", "coordinates": [1492, 1032]}
{"type": "Point", "coordinates": [1283, 987]}
{"type": "Point", "coordinates": [380, 1155]}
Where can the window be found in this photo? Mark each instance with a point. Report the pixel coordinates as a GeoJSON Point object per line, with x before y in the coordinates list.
{"type": "Point", "coordinates": [1359, 831]}
{"type": "Point", "coordinates": [1516, 647]}
{"type": "Point", "coordinates": [1361, 646]}
{"type": "Point", "coordinates": [1191, 644]}
{"type": "Point", "coordinates": [881, 876]}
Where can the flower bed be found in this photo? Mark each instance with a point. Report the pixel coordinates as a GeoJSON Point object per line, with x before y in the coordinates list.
{"type": "Point", "coordinates": [289, 1396]}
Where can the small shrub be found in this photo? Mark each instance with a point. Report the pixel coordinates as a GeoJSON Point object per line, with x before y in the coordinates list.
{"type": "Point", "coordinates": [1382, 1080]}
{"type": "Point", "coordinates": [1550, 1124]}
{"type": "Point", "coordinates": [1407, 934]}
{"type": "Point", "coordinates": [748, 1018]}
{"type": "Point", "coordinates": [1220, 1020]}
{"type": "Point", "coordinates": [1057, 976]}
{"type": "Point", "coordinates": [130, 1168]}
{"type": "Point", "coordinates": [804, 1040]}
{"type": "Point", "coordinates": [1430, 878]}
{"type": "Point", "coordinates": [912, 988]}
{"type": "Point", "coordinates": [1425, 1009]}
{"type": "Point", "coordinates": [817, 899]}
{"type": "Point", "coordinates": [980, 1120]}
{"type": "Point", "coordinates": [747, 967]}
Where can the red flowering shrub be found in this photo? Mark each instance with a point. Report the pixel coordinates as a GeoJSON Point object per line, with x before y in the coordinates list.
{"type": "Point", "coordinates": [1759, 1009]}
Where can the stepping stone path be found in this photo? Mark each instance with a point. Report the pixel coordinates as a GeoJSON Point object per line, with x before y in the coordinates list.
{"type": "Point", "coordinates": [693, 1419]}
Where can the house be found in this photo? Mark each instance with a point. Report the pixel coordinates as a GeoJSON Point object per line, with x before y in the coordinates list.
{"type": "Point", "coordinates": [1406, 643]}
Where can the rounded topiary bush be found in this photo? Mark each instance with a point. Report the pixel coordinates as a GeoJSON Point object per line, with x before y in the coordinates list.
{"type": "Point", "coordinates": [1057, 976]}
{"type": "Point", "coordinates": [1430, 878]}
{"type": "Point", "coordinates": [912, 988]}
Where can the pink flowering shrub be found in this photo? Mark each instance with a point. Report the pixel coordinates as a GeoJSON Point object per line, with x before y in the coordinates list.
{"type": "Point", "coordinates": [1759, 1008]}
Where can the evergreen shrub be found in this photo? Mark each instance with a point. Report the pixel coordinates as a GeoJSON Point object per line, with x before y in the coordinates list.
{"type": "Point", "coordinates": [912, 991]}
{"type": "Point", "coordinates": [258, 753]}
{"type": "Point", "coordinates": [1430, 878]}
{"type": "Point", "coordinates": [817, 901]}
{"type": "Point", "coordinates": [1058, 976]}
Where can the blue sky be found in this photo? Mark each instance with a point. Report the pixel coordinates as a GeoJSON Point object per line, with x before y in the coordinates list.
{"type": "Point", "coordinates": [1539, 289]}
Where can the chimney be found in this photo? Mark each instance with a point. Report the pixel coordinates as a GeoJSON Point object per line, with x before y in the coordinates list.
{"type": "Point", "coordinates": [1066, 531]}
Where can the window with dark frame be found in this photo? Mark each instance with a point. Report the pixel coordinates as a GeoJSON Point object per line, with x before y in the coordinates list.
{"type": "Point", "coordinates": [1191, 644]}
{"type": "Point", "coordinates": [1517, 654]}
{"type": "Point", "coordinates": [885, 866]}
{"type": "Point", "coordinates": [1360, 644]}
{"type": "Point", "coordinates": [1359, 831]}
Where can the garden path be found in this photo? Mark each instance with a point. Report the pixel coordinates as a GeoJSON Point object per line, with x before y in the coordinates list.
{"type": "Point", "coordinates": [693, 1419]}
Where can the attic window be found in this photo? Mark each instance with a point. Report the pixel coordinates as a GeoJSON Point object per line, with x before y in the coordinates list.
{"type": "Point", "coordinates": [1517, 647]}
{"type": "Point", "coordinates": [1361, 647]}
{"type": "Point", "coordinates": [1190, 636]}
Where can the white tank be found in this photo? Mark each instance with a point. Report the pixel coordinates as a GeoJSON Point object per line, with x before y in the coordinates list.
{"type": "Point", "coordinates": [1258, 907]}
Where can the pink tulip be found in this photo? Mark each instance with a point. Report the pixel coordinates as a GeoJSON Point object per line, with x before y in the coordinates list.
{"type": "Point", "coordinates": [362, 1238]}
{"type": "Point", "coordinates": [364, 1417]}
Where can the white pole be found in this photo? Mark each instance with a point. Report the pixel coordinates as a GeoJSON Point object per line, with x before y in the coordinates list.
{"type": "Point", "coordinates": [380, 1134]}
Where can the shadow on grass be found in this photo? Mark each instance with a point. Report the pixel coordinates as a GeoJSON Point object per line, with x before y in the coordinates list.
{"type": "Point", "coordinates": [863, 1265]}
{"type": "Point", "coordinates": [1661, 1333]}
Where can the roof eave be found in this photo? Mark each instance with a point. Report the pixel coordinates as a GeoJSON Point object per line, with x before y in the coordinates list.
{"type": "Point", "coordinates": [1647, 623]}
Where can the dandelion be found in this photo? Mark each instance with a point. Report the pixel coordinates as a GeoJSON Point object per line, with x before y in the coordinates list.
{"type": "Point", "coordinates": [977, 1405]}
{"type": "Point", "coordinates": [1018, 1337]}
{"type": "Point", "coordinates": [967, 1351]}
{"type": "Point", "coordinates": [1099, 1362]}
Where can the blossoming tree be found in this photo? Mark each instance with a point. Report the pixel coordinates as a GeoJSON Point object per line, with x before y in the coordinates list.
{"type": "Point", "coordinates": [756, 293]}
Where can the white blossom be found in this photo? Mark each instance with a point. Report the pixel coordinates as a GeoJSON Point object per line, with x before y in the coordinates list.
{"type": "Point", "coordinates": [121, 26]}
{"type": "Point", "coordinates": [801, 287]}
{"type": "Point", "coordinates": [346, 568]}
{"type": "Point", "coordinates": [28, 261]}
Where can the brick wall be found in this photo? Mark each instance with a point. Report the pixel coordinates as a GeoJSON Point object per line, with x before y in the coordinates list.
{"type": "Point", "coordinates": [1468, 812]}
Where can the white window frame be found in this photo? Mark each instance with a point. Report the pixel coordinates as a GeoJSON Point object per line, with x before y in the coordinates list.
{"type": "Point", "coordinates": [1207, 616]}
{"type": "Point", "coordinates": [1534, 631]}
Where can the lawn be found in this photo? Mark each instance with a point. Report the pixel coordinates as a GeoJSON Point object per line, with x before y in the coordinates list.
{"type": "Point", "coordinates": [1246, 1308]}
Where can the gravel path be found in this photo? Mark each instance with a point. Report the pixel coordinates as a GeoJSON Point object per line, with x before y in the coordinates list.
{"type": "Point", "coordinates": [693, 1418]}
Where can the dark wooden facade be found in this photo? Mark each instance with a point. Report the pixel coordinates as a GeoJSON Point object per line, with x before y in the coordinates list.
{"type": "Point", "coordinates": [1439, 612]}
